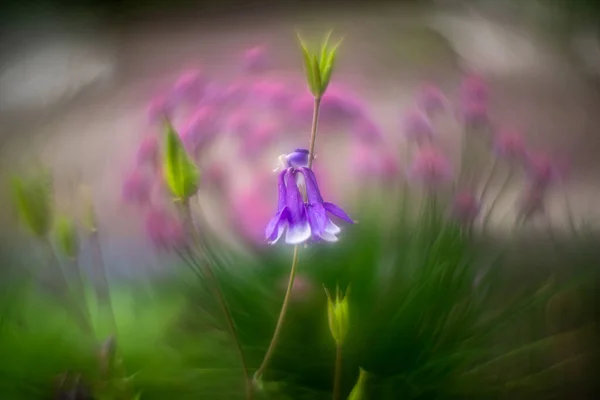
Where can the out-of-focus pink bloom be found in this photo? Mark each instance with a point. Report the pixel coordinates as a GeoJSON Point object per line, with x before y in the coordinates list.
{"type": "Point", "coordinates": [252, 208]}
{"type": "Point", "coordinates": [256, 59]}
{"type": "Point", "coordinates": [261, 136]}
{"type": "Point", "coordinates": [160, 107]}
{"type": "Point", "coordinates": [240, 124]}
{"type": "Point", "coordinates": [531, 203]}
{"type": "Point", "coordinates": [366, 130]}
{"type": "Point", "coordinates": [137, 188]}
{"type": "Point", "coordinates": [542, 170]}
{"type": "Point", "coordinates": [337, 106]}
{"type": "Point", "coordinates": [188, 87]}
{"type": "Point", "coordinates": [148, 151]}
{"type": "Point", "coordinates": [216, 176]}
{"type": "Point", "coordinates": [273, 94]}
{"type": "Point", "coordinates": [417, 126]}
{"type": "Point", "coordinates": [431, 99]}
{"type": "Point", "coordinates": [234, 94]}
{"type": "Point", "coordinates": [302, 289]}
{"type": "Point", "coordinates": [474, 113]}
{"type": "Point", "coordinates": [431, 167]}
{"type": "Point", "coordinates": [164, 230]}
{"type": "Point", "coordinates": [509, 144]}
{"type": "Point", "coordinates": [465, 208]}
{"type": "Point", "coordinates": [370, 162]}
{"type": "Point", "coordinates": [200, 129]}
{"type": "Point", "coordinates": [473, 89]}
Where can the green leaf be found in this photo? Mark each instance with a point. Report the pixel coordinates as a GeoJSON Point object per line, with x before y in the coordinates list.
{"type": "Point", "coordinates": [316, 77]}
{"type": "Point", "coordinates": [33, 200]}
{"type": "Point", "coordinates": [324, 48]}
{"type": "Point", "coordinates": [308, 67]}
{"type": "Point", "coordinates": [181, 173]}
{"type": "Point", "coordinates": [66, 237]}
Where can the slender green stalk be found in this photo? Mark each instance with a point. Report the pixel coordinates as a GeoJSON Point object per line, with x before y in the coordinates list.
{"type": "Point", "coordinates": [286, 299]}
{"type": "Point", "coordinates": [494, 203]}
{"type": "Point", "coordinates": [218, 293]}
{"type": "Point", "coordinates": [282, 314]}
{"type": "Point", "coordinates": [489, 179]}
{"type": "Point", "coordinates": [337, 380]}
{"type": "Point", "coordinates": [101, 280]}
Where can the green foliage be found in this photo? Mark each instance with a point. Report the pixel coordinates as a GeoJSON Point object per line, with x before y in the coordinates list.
{"type": "Point", "coordinates": [66, 237]}
{"type": "Point", "coordinates": [319, 67]}
{"type": "Point", "coordinates": [33, 199]}
{"type": "Point", "coordinates": [181, 173]}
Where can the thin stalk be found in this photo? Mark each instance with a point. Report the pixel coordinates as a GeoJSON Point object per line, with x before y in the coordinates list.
{"type": "Point", "coordinates": [101, 280]}
{"type": "Point", "coordinates": [282, 314]}
{"type": "Point", "coordinates": [489, 179]}
{"type": "Point", "coordinates": [337, 379]}
{"type": "Point", "coordinates": [218, 293]}
{"type": "Point", "coordinates": [286, 299]}
{"type": "Point", "coordinates": [494, 203]}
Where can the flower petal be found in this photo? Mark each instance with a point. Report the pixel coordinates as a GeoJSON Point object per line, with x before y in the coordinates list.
{"type": "Point", "coordinates": [298, 233]}
{"type": "Point", "coordinates": [332, 228]}
{"type": "Point", "coordinates": [281, 191]}
{"type": "Point", "coordinates": [277, 226]}
{"type": "Point", "coordinates": [337, 211]}
{"type": "Point", "coordinates": [313, 194]}
{"type": "Point", "coordinates": [317, 218]}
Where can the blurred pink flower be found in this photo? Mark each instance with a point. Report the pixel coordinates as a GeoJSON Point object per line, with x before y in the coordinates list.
{"type": "Point", "coordinates": [369, 161]}
{"type": "Point", "coordinates": [431, 99]}
{"type": "Point", "coordinates": [137, 188]}
{"type": "Point", "coordinates": [233, 95]}
{"type": "Point", "coordinates": [474, 113]}
{"type": "Point", "coordinates": [366, 130]}
{"type": "Point", "coordinates": [337, 106]}
{"type": "Point", "coordinates": [200, 129]}
{"type": "Point", "coordinates": [148, 151]}
{"type": "Point", "coordinates": [189, 87]}
{"type": "Point", "coordinates": [473, 89]}
{"type": "Point", "coordinates": [252, 209]}
{"type": "Point", "coordinates": [465, 207]}
{"type": "Point", "coordinates": [260, 137]}
{"type": "Point", "coordinates": [164, 230]}
{"type": "Point", "coordinates": [273, 94]}
{"type": "Point", "coordinates": [417, 126]}
{"type": "Point", "coordinates": [256, 59]}
{"type": "Point", "coordinates": [431, 167]}
{"type": "Point", "coordinates": [542, 170]}
{"type": "Point", "coordinates": [239, 123]}
{"type": "Point", "coordinates": [160, 107]}
{"type": "Point", "coordinates": [509, 144]}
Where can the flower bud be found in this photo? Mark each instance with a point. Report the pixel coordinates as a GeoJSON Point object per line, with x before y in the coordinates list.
{"type": "Point", "coordinates": [358, 391]}
{"type": "Point", "coordinates": [66, 237]}
{"type": "Point", "coordinates": [337, 311]}
{"type": "Point", "coordinates": [33, 198]}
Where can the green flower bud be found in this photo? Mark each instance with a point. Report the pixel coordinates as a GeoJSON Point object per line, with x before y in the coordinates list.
{"type": "Point", "coordinates": [180, 171]}
{"type": "Point", "coordinates": [66, 237]}
{"type": "Point", "coordinates": [358, 391]}
{"type": "Point", "coordinates": [319, 67]}
{"type": "Point", "coordinates": [33, 199]}
{"type": "Point", "coordinates": [337, 311]}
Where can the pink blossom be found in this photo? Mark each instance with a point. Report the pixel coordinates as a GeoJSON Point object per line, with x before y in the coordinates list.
{"type": "Point", "coordinates": [234, 94]}
{"type": "Point", "coordinates": [148, 151]}
{"type": "Point", "coordinates": [256, 59]}
{"type": "Point", "coordinates": [431, 99]}
{"type": "Point", "coordinates": [164, 230]}
{"type": "Point", "coordinates": [473, 89]}
{"type": "Point", "coordinates": [366, 130]}
{"type": "Point", "coordinates": [337, 106]}
{"type": "Point", "coordinates": [368, 161]}
{"type": "Point", "coordinates": [188, 87]}
{"type": "Point", "coordinates": [417, 126]}
{"type": "Point", "coordinates": [466, 207]}
{"type": "Point", "coordinates": [252, 209]}
{"type": "Point", "coordinates": [200, 129]}
{"type": "Point", "coordinates": [137, 188]}
{"type": "Point", "coordinates": [260, 137]}
{"type": "Point", "coordinates": [160, 107]}
{"type": "Point", "coordinates": [509, 144]}
{"type": "Point", "coordinates": [273, 94]}
{"type": "Point", "coordinates": [240, 124]}
{"type": "Point", "coordinates": [474, 113]}
{"type": "Point", "coordinates": [431, 167]}
{"type": "Point", "coordinates": [542, 170]}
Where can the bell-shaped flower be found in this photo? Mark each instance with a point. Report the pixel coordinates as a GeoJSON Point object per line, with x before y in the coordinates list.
{"type": "Point", "coordinates": [303, 218]}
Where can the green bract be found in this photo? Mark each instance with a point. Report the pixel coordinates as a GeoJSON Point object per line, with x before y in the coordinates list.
{"type": "Point", "coordinates": [33, 198]}
{"type": "Point", "coordinates": [358, 391]}
{"type": "Point", "coordinates": [337, 311]}
{"type": "Point", "coordinates": [318, 67]}
{"type": "Point", "coordinates": [181, 173]}
{"type": "Point", "coordinates": [66, 237]}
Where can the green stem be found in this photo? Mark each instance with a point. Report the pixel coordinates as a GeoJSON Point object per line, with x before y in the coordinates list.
{"type": "Point", "coordinates": [490, 177]}
{"type": "Point", "coordinates": [337, 380]}
{"type": "Point", "coordinates": [101, 280]}
{"type": "Point", "coordinates": [313, 131]}
{"type": "Point", "coordinates": [494, 203]}
{"type": "Point", "coordinates": [218, 293]}
{"type": "Point", "coordinates": [282, 314]}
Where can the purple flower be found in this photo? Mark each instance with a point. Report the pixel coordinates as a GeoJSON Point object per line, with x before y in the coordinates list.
{"type": "Point", "coordinates": [418, 127]}
{"type": "Point", "coordinates": [148, 150]}
{"type": "Point", "coordinates": [473, 89]}
{"type": "Point", "coordinates": [431, 167]}
{"type": "Point", "coordinates": [160, 107]}
{"type": "Point", "coordinates": [474, 113]}
{"type": "Point", "coordinates": [466, 207]}
{"type": "Point", "coordinates": [302, 219]}
{"type": "Point", "coordinates": [297, 159]}
{"type": "Point", "coordinates": [542, 170]}
{"type": "Point", "coordinates": [201, 127]}
{"type": "Point", "coordinates": [510, 144]}
{"type": "Point", "coordinates": [431, 99]}
{"type": "Point", "coordinates": [165, 231]}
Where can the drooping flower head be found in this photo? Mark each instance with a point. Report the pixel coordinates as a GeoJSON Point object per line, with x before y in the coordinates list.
{"type": "Point", "coordinates": [417, 126]}
{"type": "Point", "coordinates": [431, 167]}
{"type": "Point", "coordinates": [164, 230]}
{"type": "Point", "coordinates": [465, 207]}
{"type": "Point", "coordinates": [510, 145]}
{"type": "Point", "coordinates": [431, 99]}
{"type": "Point", "coordinates": [302, 218]}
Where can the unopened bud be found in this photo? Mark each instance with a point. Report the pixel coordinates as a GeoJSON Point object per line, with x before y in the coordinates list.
{"type": "Point", "coordinates": [337, 310]}
{"type": "Point", "coordinates": [358, 391]}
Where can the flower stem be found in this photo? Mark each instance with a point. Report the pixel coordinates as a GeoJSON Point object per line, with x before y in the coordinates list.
{"type": "Point", "coordinates": [218, 293]}
{"type": "Point", "coordinates": [337, 380]}
{"type": "Point", "coordinates": [489, 179]}
{"type": "Point", "coordinates": [313, 131]}
{"type": "Point", "coordinates": [494, 203]}
{"type": "Point", "coordinates": [282, 314]}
